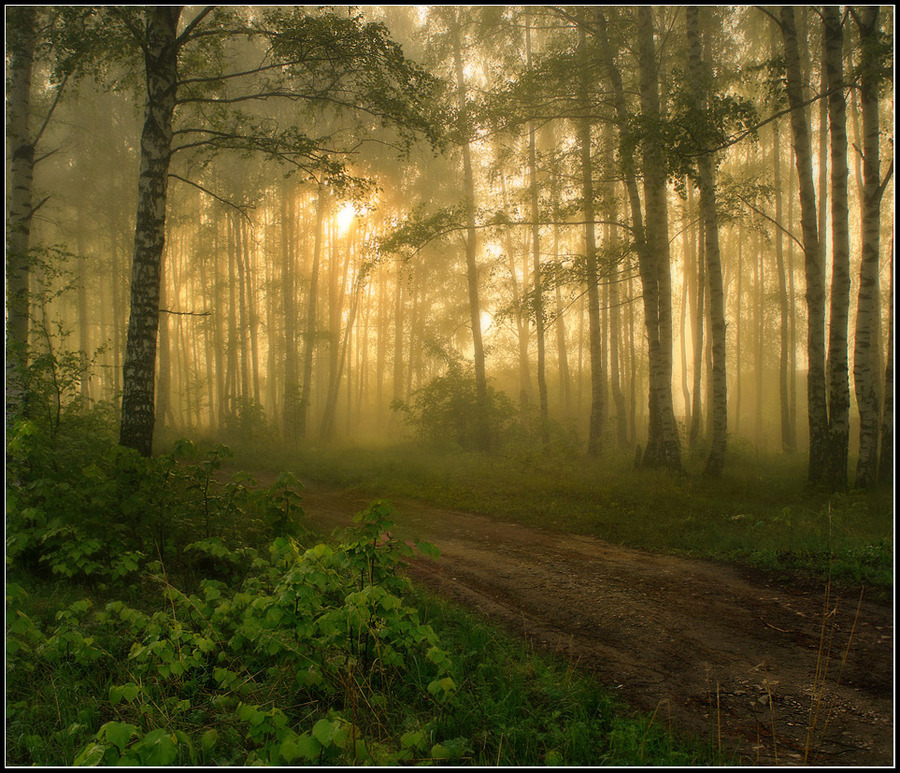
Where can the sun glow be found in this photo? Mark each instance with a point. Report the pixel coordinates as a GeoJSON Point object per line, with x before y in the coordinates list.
{"type": "Point", "coordinates": [345, 217]}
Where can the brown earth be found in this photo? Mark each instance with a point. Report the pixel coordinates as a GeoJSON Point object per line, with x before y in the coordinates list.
{"type": "Point", "coordinates": [710, 649]}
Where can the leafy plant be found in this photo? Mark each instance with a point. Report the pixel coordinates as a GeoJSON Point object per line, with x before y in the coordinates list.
{"type": "Point", "coordinates": [447, 409]}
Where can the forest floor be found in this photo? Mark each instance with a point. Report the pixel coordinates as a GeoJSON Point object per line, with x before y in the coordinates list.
{"type": "Point", "coordinates": [710, 649]}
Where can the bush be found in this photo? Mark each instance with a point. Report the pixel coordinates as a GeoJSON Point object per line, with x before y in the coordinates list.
{"type": "Point", "coordinates": [447, 410]}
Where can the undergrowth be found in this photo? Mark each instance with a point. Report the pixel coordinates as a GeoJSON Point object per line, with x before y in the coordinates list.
{"type": "Point", "coordinates": [161, 614]}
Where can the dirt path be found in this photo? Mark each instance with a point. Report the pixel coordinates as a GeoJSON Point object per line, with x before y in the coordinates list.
{"type": "Point", "coordinates": [711, 649]}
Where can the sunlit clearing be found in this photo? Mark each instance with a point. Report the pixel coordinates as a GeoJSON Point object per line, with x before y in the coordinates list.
{"type": "Point", "coordinates": [345, 217]}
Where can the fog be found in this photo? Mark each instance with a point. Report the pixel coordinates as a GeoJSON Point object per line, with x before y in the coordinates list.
{"type": "Point", "coordinates": [327, 292]}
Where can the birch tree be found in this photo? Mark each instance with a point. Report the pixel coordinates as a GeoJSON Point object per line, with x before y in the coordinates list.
{"type": "Point", "coordinates": [817, 411]}
{"type": "Point", "coordinates": [699, 79]}
{"type": "Point", "coordinates": [838, 345]}
{"type": "Point", "coordinates": [865, 355]}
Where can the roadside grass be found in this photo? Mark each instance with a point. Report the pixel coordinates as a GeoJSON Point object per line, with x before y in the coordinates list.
{"type": "Point", "coordinates": [760, 513]}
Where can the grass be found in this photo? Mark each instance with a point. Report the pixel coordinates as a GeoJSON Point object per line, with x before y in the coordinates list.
{"type": "Point", "coordinates": [760, 513]}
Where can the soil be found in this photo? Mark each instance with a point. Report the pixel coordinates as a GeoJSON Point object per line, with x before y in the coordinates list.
{"type": "Point", "coordinates": [770, 673]}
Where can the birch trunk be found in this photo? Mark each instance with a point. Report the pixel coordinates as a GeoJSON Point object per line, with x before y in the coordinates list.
{"type": "Point", "coordinates": [817, 411]}
{"type": "Point", "coordinates": [536, 263]}
{"type": "Point", "coordinates": [595, 426]}
{"type": "Point", "coordinates": [484, 431]}
{"type": "Point", "coordinates": [706, 167]}
{"type": "Point", "coordinates": [865, 351]}
{"type": "Point", "coordinates": [838, 345]}
{"type": "Point", "coordinates": [309, 335]}
{"type": "Point", "coordinates": [161, 62]}
{"type": "Point", "coordinates": [664, 444]}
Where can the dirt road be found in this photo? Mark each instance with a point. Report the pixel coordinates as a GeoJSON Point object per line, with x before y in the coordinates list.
{"type": "Point", "coordinates": [712, 649]}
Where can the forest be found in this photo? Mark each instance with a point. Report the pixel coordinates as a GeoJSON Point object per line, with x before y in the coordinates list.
{"type": "Point", "coordinates": [496, 385]}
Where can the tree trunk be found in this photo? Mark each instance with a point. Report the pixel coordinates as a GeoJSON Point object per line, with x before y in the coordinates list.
{"type": "Point", "coordinates": [593, 279]}
{"type": "Point", "coordinates": [309, 335]}
{"type": "Point", "coordinates": [521, 318]}
{"type": "Point", "coordinates": [706, 167]}
{"type": "Point", "coordinates": [788, 441]}
{"type": "Point", "coordinates": [484, 431]}
{"type": "Point", "coordinates": [291, 397]}
{"type": "Point", "coordinates": [865, 352]}
{"type": "Point", "coordinates": [838, 365]}
{"type": "Point", "coordinates": [161, 61]}
{"type": "Point", "coordinates": [536, 264]}
{"type": "Point", "coordinates": [886, 463]}
{"type": "Point", "coordinates": [663, 444]}
{"type": "Point", "coordinates": [817, 410]}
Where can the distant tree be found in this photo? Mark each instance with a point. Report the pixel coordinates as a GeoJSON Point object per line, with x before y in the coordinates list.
{"type": "Point", "coordinates": [583, 129]}
{"type": "Point", "coordinates": [26, 123]}
{"type": "Point", "coordinates": [663, 444]}
{"type": "Point", "coordinates": [20, 144]}
{"type": "Point", "coordinates": [451, 19]}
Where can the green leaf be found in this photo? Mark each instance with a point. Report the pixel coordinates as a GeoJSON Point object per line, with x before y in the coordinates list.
{"type": "Point", "coordinates": [208, 739]}
{"type": "Point", "coordinates": [288, 750]}
{"type": "Point", "coordinates": [413, 740]}
{"type": "Point", "coordinates": [130, 691]}
{"type": "Point", "coordinates": [308, 747]}
{"type": "Point", "coordinates": [439, 752]}
{"type": "Point", "coordinates": [118, 733]}
{"type": "Point", "coordinates": [323, 731]}
{"type": "Point", "coordinates": [90, 755]}
{"type": "Point", "coordinates": [158, 748]}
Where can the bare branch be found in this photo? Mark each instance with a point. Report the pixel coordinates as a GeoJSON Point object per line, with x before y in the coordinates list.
{"type": "Point", "coordinates": [186, 313]}
{"type": "Point", "coordinates": [241, 210]}
{"type": "Point", "coordinates": [185, 36]}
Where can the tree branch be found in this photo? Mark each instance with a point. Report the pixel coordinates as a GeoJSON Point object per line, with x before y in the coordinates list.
{"type": "Point", "coordinates": [185, 36]}
{"type": "Point", "coordinates": [208, 192]}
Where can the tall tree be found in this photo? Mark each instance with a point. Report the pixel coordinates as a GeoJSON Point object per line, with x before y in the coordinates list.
{"type": "Point", "coordinates": [592, 276]}
{"type": "Point", "coordinates": [312, 294]}
{"type": "Point", "coordinates": [838, 365]}
{"type": "Point", "coordinates": [160, 46]}
{"type": "Point", "coordinates": [484, 433]}
{"type": "Point", "coordinates": [314, 57]}
{"type": "Point", "coordinates": [699, 78]}
{"type": "Point", "coordinates": [663, 444]}
{"type": "Point", "coordinates": [865, 356]}
{"type": "Point", "coordinates": [20, 146]}
{"type": "Point", "coordinates": [817, 410]}
{"type": "Point", "coordinates": [534, 197]}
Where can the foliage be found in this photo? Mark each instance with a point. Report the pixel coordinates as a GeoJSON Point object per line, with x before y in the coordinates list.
{"type": "Point", "coordinates": [447, 409]}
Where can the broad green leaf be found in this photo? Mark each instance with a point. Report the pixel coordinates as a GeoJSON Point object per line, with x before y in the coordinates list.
{"type": "Point", "coordinates": [323, 730]}
{"type": "Point", "coordinates": [208, 739]}
{"type": "Point", "coordinates": [118, 733]}
{"type": "Point", "coordinates": [90, 755]}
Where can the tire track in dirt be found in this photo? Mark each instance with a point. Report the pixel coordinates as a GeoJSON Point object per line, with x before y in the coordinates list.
{"type": "Point", "coordinates": [709, 648]}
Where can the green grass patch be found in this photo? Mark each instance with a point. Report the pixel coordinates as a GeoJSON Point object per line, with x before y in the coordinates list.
{"type": "Point", "coordinates": [760, 513]}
